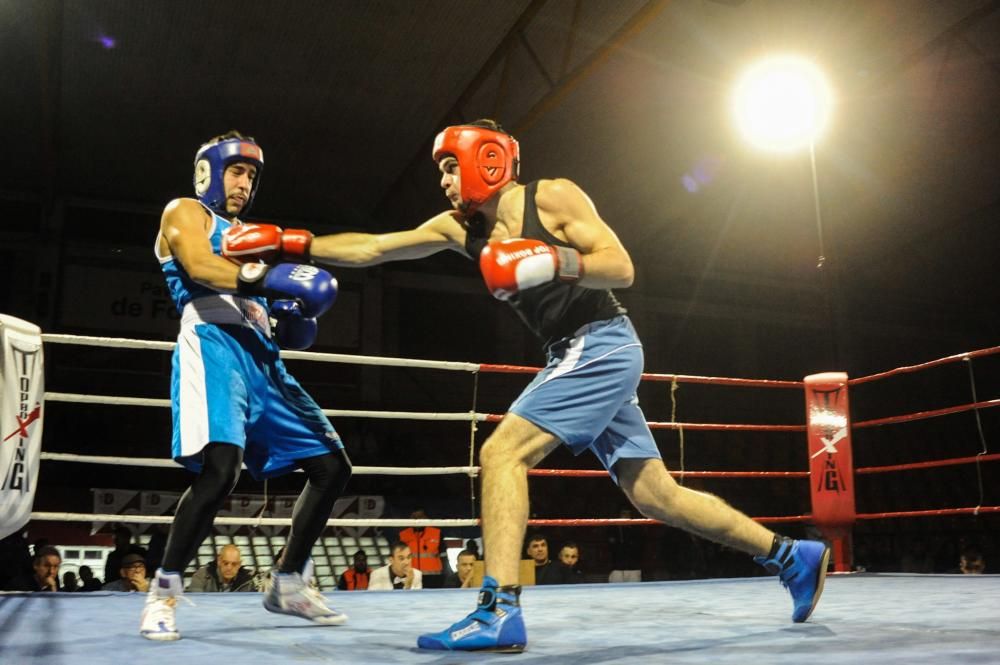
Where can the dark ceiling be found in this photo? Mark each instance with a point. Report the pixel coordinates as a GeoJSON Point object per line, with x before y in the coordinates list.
{"type": "Point", "coordinates": [108, 100]}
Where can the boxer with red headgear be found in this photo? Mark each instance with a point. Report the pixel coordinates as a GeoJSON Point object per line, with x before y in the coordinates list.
{"type": "Point", "coordinates": [543, 248]}
{"type": "Point", "coordinates": [233, 400]}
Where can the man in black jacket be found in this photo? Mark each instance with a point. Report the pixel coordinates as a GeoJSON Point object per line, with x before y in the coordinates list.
{"type": "Point", "coordinates": [226, 573]}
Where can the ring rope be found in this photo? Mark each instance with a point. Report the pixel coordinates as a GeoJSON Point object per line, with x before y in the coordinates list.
{"type": "Point", "coordinates": [933, 363]}
{"type": "Point", "coordinates": [487, 368]}
{"type": "Point", "coordinates": [124, 343]}
{"type": "Point", "coordinates": [941, 512]}
{"type": "Point", "coordinates": [171, 464]}
{"type": "Point", "coordinates": [600, 473]}
{"type": "Point", "coordinates": [927, 465]}
{"type": "Point", "coordinates": [413, 415]}
{"type": "Point", "coordinates": [130, 518]}
{"type": "Point", "coordinates": [922, 415]}
{"type": "Point", "coordinates": [75, 398]}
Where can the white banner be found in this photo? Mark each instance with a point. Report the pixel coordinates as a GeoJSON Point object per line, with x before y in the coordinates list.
{"type": "Point", "coordinates": [22, 392]}
{"type": "Point", "coordinates": [134, 502]}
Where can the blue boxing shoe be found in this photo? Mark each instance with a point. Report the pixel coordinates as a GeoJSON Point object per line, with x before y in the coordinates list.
{"type": "Point", "coordinates": [801, 566]}
{"type": "Point", "coordinates": [496, 625]}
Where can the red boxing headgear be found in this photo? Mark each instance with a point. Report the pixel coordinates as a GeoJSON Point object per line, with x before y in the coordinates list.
{"type": "Point", "coordinates": [487, 160]}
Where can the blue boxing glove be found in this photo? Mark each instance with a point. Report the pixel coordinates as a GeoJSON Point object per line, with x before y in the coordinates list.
{"type": "Point", "coordinates": [313, 288]}
{"type": "Point", "coordinates": [291, 329]}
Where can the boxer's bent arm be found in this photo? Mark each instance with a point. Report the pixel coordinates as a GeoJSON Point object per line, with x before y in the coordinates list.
{"type": "Point", "coordinates": [563, 206]}
{"type": "Point", "coordinates": [366, 249]}
{"type": "Point", "coordinates": [185, 227]}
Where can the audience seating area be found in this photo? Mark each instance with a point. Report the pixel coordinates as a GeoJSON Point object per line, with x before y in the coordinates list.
{"type": "Point", "coordinates": [332, 554]}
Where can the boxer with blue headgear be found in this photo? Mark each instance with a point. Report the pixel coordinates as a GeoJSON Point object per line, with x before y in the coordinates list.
{"type": "Point", "coordinates": [232, 398]}
{"type": "Point", "coordinates": [211, 162]}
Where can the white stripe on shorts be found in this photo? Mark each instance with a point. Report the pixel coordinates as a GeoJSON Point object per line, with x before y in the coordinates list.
{"type": "Point", "coordinates": [193, 402]}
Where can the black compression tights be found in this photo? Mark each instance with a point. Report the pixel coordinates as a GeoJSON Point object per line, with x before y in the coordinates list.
{"type": "Point", "coordinates": [326, 474]}
{"type": "Point", "coordinates": [196, 510]}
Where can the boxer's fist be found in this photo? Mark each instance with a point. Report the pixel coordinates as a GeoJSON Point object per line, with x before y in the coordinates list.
{"type": "Point", "coordinates": [265, 242]}
{"type": "Point", "coordinates": [510, 266]}
{"type": "Point", "coordinates": [291, 329]}
{"type": "Point", "coordinates": [314, 288]}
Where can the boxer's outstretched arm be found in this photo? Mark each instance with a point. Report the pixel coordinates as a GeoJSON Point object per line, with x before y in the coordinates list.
{"type": "Point", "coordinates": [184, 225]}
{"type": "Point", "coordinates": [438, 233]}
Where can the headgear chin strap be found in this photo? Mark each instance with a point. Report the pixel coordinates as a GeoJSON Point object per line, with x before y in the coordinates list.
{"type": "Point", "coordinates": [487, 160]}
{"type": "Point", "coordinates": [210, 164]}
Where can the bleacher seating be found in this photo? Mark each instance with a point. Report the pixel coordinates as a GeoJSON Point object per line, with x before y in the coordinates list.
{"type": "Point", "coordinates": [331, 555]}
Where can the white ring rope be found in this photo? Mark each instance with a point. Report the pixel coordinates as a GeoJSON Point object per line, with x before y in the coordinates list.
{"type": "Point", "coordinates": [124, 343]}
{"type": "Point", "coordinates": [119, 342]}
{"type": "Point", "coordinates": [244, 521]}
{"type": "Point", "coordinates": [171, 464]}
{"type": "Point", "coordinates": [113, 400]}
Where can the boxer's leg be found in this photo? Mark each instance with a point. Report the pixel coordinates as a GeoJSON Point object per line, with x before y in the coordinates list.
{"type": "Point", "coordinates": [800, 564]}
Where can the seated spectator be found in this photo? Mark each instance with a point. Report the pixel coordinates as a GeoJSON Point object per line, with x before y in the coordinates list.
{"type": "Point", "coordinates": [131, 575]}
{"type": "Point", "coordinates": [356, 577]}
{"type": "Point", "coordinates": [123, 546]}
{"type": "Point", "coordinates": [70, 582]}
{"type": "Point", "coordinates": [45, 572]}
{"type": "Point", "coordinates": [226, 573]}
{"type": "Point", "coordinates": [569, 557]}
{"type": "Point", "coordinates": [398, 573]}
{"type": "Point", "coordinates": [462, 578]}
{"type": "Point", "coordinates": [87, 580]}
{"type": "Point", "coordinates": [971, 561]}
{"type": "Point", "coordinates": [546, 572]}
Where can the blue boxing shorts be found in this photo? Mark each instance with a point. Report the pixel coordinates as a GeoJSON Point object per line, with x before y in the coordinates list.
{"type": "Point", "coordinates": [230, 386]}
{"type": "Point", "coordinates": [586, 394]}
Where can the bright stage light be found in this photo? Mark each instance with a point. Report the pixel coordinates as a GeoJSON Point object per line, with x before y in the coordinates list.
{"type": "Point", "coordinates": [782, 103]}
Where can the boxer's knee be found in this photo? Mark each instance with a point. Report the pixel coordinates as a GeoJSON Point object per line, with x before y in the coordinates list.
{"type": "Point", "coordinates": [327, 473]}
{"type": "Point", "coordinates": [649, 487]}
{"type": "Point", "coordinates": [221, 465]}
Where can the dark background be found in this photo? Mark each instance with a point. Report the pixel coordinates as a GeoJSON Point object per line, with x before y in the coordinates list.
{"type": "Point", "coordinates": [105, 103]}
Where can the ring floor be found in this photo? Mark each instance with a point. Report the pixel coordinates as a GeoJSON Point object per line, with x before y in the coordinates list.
{"type": "Point", "coordinates": [860, 619]}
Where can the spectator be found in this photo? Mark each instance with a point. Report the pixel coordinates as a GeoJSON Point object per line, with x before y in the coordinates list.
{"type": "Point", "coordinates": [226, 573]}
{"type": "Point", "coordinates": [462, 578]}
{"type": "Point", "coordinates": [70, 581]}
{"type": "Point", "coordinates": [399, 573]}
{"type": "Point", "coordinates": [569, 557]}
{"type": "Point", "coordinates": [625, 543]}
{"type": "Point", "coordinates": [472, 545]}
{"type": "Point", "coordinates": [87, 580]}
{"type": "Point", "coordinates": [123, 546]}
{"type": "Point", "coordinates": [356, 577]}
{"type": "Point", "coordinates": [972, 561]}
{"type": "Point", "coordinates": [131, 575]}
{"type": "Point", "coordinates": [45, 571]}
{"type": "Point", "coordinates": [425, 543]}
{"type": "Point", "coordinates": [546, 572]}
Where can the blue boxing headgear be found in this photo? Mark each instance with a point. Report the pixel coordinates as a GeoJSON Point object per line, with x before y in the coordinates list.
{"type": "Point", "coordinates": [210, 164]}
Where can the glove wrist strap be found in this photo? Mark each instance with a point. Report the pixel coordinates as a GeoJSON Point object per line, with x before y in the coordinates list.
{"type": "Point", "coordinates": [250, 281]}
{"type": "Point", "coordinates": [570, 267]}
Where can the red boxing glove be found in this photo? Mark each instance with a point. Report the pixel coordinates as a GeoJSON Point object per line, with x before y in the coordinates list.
{"type": "Point", "coordinates": [510, 266]}
{"type": "Point", "coordinates": [265, 242]}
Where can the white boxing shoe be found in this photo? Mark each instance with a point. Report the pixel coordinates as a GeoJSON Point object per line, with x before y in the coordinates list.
{"type": "Point", "coordinates": [291, 593]}
{"type": "Point", "coordinates": [157, 621]}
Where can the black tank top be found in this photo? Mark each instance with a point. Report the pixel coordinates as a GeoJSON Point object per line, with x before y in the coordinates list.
{"type": "Point", "coordinates": [554, 310]}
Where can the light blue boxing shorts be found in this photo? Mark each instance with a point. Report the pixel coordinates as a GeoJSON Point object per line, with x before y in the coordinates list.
{"type": "Point", "coordinates": [586, 394]}
{"type": "Point", "coordinates": [229, 386]}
